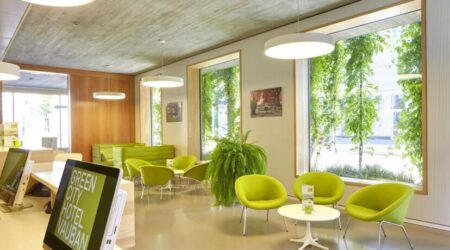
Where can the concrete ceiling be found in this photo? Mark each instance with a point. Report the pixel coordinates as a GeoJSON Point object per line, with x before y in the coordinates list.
{"type": "Point", "coordinates": [122, 36]}
{"type": "Point", "coordinates": [38, 80]}
{"type": "Point", "coordinates": [11, 13]}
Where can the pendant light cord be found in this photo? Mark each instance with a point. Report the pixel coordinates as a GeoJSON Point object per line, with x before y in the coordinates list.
{"type": "Point", "coordinates": [162, 42]}
{"type": "Point", "coordinates": [298, 16]}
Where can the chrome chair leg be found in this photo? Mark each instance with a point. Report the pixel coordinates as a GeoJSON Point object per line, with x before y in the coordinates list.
{"type": "Point", "coordinates": [267, 216]}
{"type": "Point", "coordinates": [380, 228]}
{"type": "Point", "coordinates": [406, 235]}
{"type": "Point", "coordinates": [143, 190]}
{"type": "Point", "coordinates": [245, 220]}
{"type": "Point", "coordinates": [339, 222]}
{"type": "Point", "coordinates": [242, 213]}
{"type": "Point", "coordinates": [346, 227]}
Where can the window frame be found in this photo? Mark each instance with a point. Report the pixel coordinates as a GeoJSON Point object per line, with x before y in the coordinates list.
{"type": "Point", "coordinates": [301, 84]}
{"type": "Point", "coordinates": [193, 98]}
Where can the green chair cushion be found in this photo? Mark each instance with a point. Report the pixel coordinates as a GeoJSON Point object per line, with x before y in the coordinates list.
{"type": "Point", "coordinates": [184, 162]}
{"type": "Point", "coordinates": [390, 200]}
{"type": "Point", "coordinates": [260, 192]}
{"type": "Point", "coordinates": [197, 172]}
{"type": "Point", "coordinates": [328, 187]}
{"type": "Point", "coordinates": [155, 175]}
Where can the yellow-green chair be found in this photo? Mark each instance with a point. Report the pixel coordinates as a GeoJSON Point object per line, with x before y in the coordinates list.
{"type": "Point", "coordinates": [155, 176]}
{"type": "Point", "coordinates": [134, 167]}
{"type": "Point", "coordinates": [184, 162]}
{"type": "Point", "coordinates": [197, 172]}
{"type": "Point", "coordinates": [259, 192]}
{"type": "Point", "coordinates": [328, 188]}
{"type": "Point", "coordinates": [383, 203]}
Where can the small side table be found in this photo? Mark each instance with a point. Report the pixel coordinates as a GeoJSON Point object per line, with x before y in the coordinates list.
{"type": "Point", "coordinates": [319, 213]}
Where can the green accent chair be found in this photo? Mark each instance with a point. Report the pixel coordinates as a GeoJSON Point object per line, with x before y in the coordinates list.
{"type": "Point", "coordinates": [197, 172]}
{"type": "Point", "coordinates": [259, 192]}
{"type": "Point", "coordinates": [134, 167]}
{"type": "Point", "coordinates": [385, 203]}
{"type": "Point", "coordinates": [328, 188]}
{"type": "Point", "coordinates": [184, 162]}
{"type": "Point", "coordinates": [155, 176]}
{"type": "Point", "coordinates": [156, 155]}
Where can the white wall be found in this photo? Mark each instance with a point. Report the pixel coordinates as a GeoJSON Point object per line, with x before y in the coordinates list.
{"type": "Point", "coordinates": [276, 134]}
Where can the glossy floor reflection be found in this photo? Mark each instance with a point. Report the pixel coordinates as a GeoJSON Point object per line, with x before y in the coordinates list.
{"type": "Point", "coordinates": [188, 220]}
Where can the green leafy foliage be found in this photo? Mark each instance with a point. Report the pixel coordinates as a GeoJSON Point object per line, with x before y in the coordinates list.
{"type": "Point", "coordinates": [370, 172]}
{"type": "Point", "coordinates": [361, 99]}
{"type": "Point", "coordinates": [409, 134]}
{"type": "Point", "coordinates": [217, 88]}
{"type": "Point", "coordinates": [231, 159]}
{"type": "Point", "coordinates": [156, 116]}
{"type": "Point", "coordinates": [327, 73]}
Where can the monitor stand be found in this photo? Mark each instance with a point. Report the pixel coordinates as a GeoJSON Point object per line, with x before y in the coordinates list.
{"type": "Point", "coordinates": [6, 208]}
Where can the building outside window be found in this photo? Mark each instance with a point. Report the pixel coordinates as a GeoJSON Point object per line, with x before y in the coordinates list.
{"type": "Point", "coordinates": [219, 103]}
{"type": "Point", "coordinates": [365, 104]}
{"type": "Point", "coordinates": [156, 121]}
{"type": "Point", "coordinates": [39, 103]}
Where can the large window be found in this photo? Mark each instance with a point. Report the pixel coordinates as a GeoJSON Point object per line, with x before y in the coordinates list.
{"type": "Point", "coordinates": [365, 103]}
{"type": "Point", "coordinates": [155, 109]}
{"type": "Point", "coordinates": [220, 103]}
{"type": "Point", "coordinates": [39, 103]}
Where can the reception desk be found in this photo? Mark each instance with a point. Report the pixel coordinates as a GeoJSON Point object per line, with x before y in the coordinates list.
{"type": "Point", "coordinates": [38, 155]}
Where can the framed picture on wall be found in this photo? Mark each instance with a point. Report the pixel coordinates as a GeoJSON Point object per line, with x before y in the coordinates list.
{"type": "Point", "coordinates": [266, 102]}
{"type": "Point", "coordinates": [174, 112]}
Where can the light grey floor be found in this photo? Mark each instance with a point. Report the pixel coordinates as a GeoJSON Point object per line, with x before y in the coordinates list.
{"type": "Point", "coordinates": [188, 220]}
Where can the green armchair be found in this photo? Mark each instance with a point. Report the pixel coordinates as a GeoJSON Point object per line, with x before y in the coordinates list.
{"type": "Point", "coordinates": [328, 188]}
{"type": "Point", "coordinates": [383, 203]}
{"type": "Point", "coordinates": [156, 155]}
{"type": "Point", "coordinates": [184, 162]}
{"type": "Point", "coordinates": [259, 192]}
{"type": "Point", "coordinates": [155, 175]}
{"type": "Point", "coordinates": [134, 167]}
{"type": "Point", "coordinates": [197, 172]}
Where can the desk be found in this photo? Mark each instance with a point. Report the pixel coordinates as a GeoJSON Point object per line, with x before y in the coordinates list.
{"type": "Point", "coordinates": [319, 213]}
{"type": "Point", "coordinates": [52, 178]}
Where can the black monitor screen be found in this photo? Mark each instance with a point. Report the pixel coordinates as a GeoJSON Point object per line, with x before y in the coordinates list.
{"type": "Point", "coordinates": [83, 203]}
{"type": "Point", "coordinates": [13, 168]}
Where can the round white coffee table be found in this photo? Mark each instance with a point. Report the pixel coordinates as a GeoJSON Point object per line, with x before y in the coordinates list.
{"type": "Point", "coordinates": [319, 213]}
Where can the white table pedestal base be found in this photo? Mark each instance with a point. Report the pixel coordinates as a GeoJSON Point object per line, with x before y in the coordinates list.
{"type": "Point", "coordinates": [308, 239]}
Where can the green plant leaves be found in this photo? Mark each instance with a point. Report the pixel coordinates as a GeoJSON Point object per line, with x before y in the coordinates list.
{"type": "Point", "coordinates": [231, 159]}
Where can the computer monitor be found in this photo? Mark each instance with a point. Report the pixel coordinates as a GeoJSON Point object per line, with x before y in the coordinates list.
{"type": "Point", "coordinates": [14, 178]}
{"type": "Point", "coordinates": [85, 210]}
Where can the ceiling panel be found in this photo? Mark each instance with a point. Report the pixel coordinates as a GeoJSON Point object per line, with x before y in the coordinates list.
{"type": "Point", "coordinates": [122, 35]}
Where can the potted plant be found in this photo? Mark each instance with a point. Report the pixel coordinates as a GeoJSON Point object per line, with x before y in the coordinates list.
{"type": "Point", "coordinates": [231, 159]}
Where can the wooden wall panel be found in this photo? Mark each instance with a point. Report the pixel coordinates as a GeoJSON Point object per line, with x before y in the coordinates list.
{"type": "Point", "coordinates": [97, 121]}
{"type": "Point", "coordinates": [100, 121]}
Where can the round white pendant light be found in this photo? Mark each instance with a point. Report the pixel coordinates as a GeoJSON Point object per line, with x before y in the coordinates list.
{"type": "Point", "coordinates": [162, 81]}
{"type": "Point", "coordinates": [104, 95]}
{"type": "Point", "coordinates": [60, 3]}
{"type": "Point", "coordinates": [299, 46]}
{"type": "Point", "coordinates": [9, 71]}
